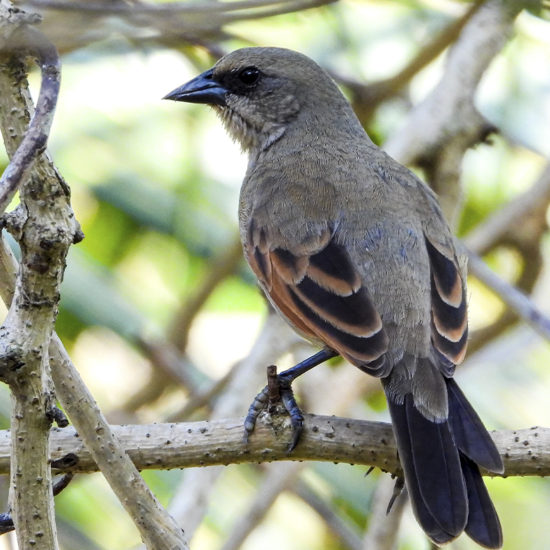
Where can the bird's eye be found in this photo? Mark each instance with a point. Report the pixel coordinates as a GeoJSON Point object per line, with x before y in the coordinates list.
{"type": "Point", "coordinates": [249, 76]}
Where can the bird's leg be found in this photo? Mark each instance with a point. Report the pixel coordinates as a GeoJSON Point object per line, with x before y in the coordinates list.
{"type": "Point", "coordinates": [285, 394]}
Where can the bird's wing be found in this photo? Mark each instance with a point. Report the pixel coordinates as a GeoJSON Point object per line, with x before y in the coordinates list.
{"type": "Point", "coordinates": [448, 300]}
{"type": "Point", "coordinates": [448, 280]}
{"type": "Point", "coordinates": [321, 293]}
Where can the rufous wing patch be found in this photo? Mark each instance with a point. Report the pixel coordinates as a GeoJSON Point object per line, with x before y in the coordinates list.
{"type": "Point", "coordinates": [321, 293]}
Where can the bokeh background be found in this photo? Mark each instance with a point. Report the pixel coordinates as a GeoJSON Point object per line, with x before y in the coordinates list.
{"type": "Point", "coordinates": [158, 307]}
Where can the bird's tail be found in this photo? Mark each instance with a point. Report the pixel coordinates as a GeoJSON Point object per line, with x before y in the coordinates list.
{"type": "Point", "coordinates": [441, 463]}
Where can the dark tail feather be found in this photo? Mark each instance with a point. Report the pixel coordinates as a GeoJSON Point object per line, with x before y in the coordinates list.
{"type": "Point", "coordinates": [440, 462]}
{"type": "Point", "coordinates": [424, 516]}
{"type": "Point", "coordinates": [470, 434]}
{"type": "Point", "coordinates": [432, 470]}
{"type": "Point", "coordinates": [483, 524]}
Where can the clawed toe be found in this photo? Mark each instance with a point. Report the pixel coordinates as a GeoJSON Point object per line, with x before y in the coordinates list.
{"type": "Point", "coordinates": [278, 390]}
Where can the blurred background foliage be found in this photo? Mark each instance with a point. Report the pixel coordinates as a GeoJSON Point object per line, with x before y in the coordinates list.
{"type": "Point", "coordinates": [157, 304]}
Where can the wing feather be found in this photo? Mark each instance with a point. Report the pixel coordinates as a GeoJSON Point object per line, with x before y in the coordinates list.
{"type": "Point", "coordinates": [322, 295]}
{"type": "Point", "coordinates": [449, 307]}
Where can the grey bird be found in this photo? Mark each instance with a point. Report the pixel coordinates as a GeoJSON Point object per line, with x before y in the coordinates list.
{"type": "Point", "coordinates": [353, 250]}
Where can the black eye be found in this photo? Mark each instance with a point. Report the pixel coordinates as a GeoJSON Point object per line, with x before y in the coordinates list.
{"type": "Point", "coordinates": [249, 76]}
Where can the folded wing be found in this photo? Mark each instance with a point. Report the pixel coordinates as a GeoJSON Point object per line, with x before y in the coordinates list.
{"type": "Point", "coordinates": [322, 295]}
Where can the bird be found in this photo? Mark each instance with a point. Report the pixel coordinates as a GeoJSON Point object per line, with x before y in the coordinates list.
{"type": "Point", "coordinates": [353, 250]}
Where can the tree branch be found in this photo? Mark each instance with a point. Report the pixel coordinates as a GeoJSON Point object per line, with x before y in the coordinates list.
{"type": "Point", "coordinates": [75, 24]}
{"type": "Point", "coordinates": [45, 227]}
{"type": "Point", "coordinates": [158, 529]}
{"type": "Point", "coordinates": [525, 452]}
{"type": "Point", "coordinates": [367, 98]}
{"type": "Point", "coordinates": [445, 124]}
{"type": "Point", "coordinates": [221, 267]}
{"type": "Point", "coordinates": [505, 220]}
{"type": "Point", "coordinates": [510, 295]}
{"type": "Point", "coordinates": [34, 141]}
{"type": "Point", "coordinates": [276, 338]}
{"type": "Point", "coordinates": [384, 524]}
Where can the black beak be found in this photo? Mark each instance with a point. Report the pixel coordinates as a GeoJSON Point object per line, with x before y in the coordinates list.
{"type": "Point", "coordinates": [202, 89]}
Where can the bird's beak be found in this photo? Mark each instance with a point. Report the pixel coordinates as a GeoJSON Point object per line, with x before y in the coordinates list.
{"type": "Point", "coordinates": [202, 89]}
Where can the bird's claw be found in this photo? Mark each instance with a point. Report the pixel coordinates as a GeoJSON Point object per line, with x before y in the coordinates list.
{"type": "Point", "coordinates": [296, 417]}
{"type": "Point", "coordinates": [256, 407]}
{"type": "Point", "coordinates": [278, 390]}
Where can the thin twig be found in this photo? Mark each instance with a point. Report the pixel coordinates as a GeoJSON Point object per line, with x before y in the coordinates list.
{"type": "Point", "coordinates": [111, 8]}
{"type": "Point", "coordinates": [383, 525]}
{"type": "Point", "coordinates": [510, 295]}
{"type": "Point", "coordinates": [36, 137]}
{"type": "Point", "coordinates": [168, 356]}
{"type": "Point", "coordinates": [511, 216]}
{"type": "Point", "coordinates": [366, 98]}
{"type": "Point", "coordinates": [222, 266]}
{"type": "Point", "coordinates": [273, 484]}
{"type": "Point", "coordinates": [203, 397]}
{"type": "Point", "coordinates": [76, 24]}
{"type": "Point", "coordinates": [526, 241]}
{"type": "Point", "coordinates": [348, 537]}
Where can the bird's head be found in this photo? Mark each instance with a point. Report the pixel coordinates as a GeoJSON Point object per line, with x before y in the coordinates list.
{"type": "Point", "coordinates": [260, 92]}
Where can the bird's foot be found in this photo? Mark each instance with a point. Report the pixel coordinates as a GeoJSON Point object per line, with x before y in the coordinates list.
{"type": "Point", "coordinates": [278, 391]}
